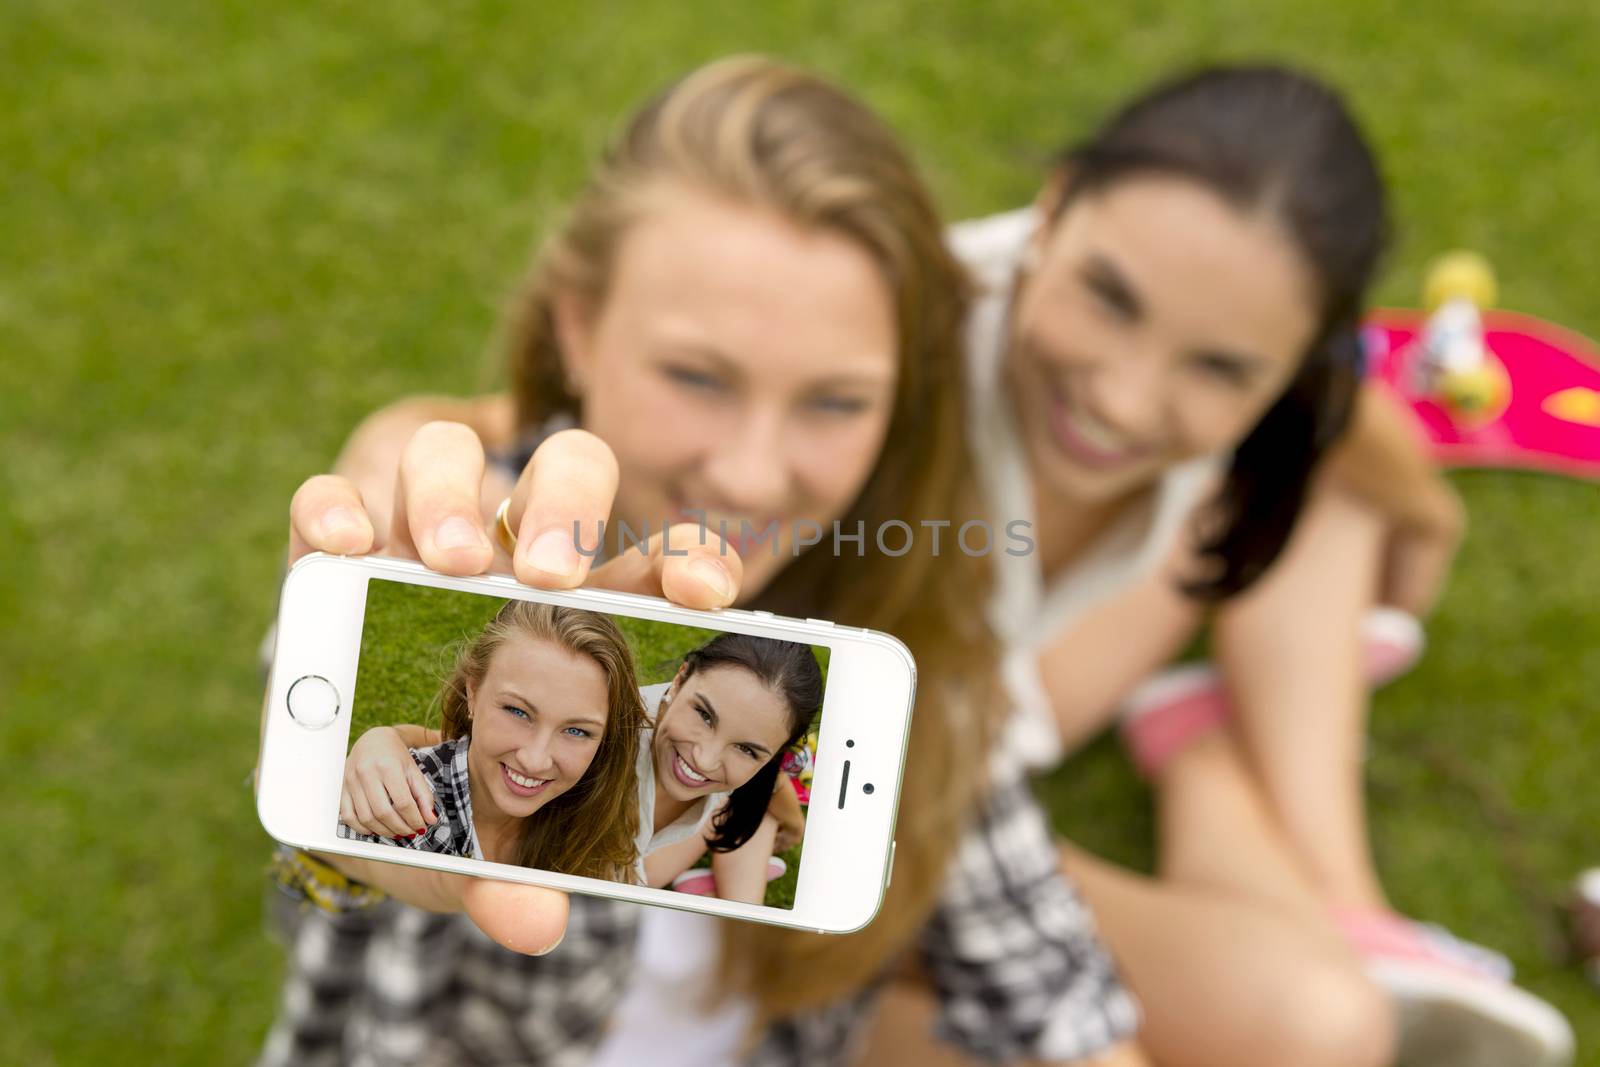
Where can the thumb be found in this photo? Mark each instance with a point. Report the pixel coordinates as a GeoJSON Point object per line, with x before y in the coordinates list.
{"type": "Point", "coordinates": [523, 918]}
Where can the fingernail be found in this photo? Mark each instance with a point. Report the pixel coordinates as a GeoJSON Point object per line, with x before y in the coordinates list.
{"type": "Point", "coordinates": [456, 532]}
{"type": "Point", "coordinates": [554, 553]}
{"type": "Point", "coordinates": [338, 520]}
{"type": "Point", "coordinates": [552, 946]}
{"type": "Point", "coordinates": [713, 574]}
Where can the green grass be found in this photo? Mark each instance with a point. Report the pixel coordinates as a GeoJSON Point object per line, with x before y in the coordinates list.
{"type": "Point", "coordinates": [228, 230]}
{"type": "Point", "coordinates": [411, 635]}
{"type": "Point", "coordinates": [409, 639]}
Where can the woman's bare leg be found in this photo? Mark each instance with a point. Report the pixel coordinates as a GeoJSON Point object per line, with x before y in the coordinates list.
{"type": "Point", "coordinates": [902, 1035]}
{"type": "Point", "coordinates": [742, 873]}
{"type": "Point", "coordinates": [1231, 952]}
{"type": "Point", "coordinates": [1216, 834]}
{"type": "Point", "coordinates": [1290, 649]}
{"type": "Point", "coordinates": [1224, 980]}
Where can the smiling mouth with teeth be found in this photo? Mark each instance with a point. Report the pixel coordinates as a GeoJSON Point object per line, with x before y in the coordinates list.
{"type": "Point", "coordinates": [687, 774]}
{"type": "Point", "coordinates": [521, 784]}
{"type": "Point", "coordinates": [1082, 436]}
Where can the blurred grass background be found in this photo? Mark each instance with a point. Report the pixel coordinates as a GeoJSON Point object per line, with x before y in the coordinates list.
{"type": "Point", "coordinates": [228, 230]}
{"type": "Point", "coordinates": [411, 636]}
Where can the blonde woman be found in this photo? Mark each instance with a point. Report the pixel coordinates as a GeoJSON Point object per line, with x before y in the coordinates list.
{"type": "Point", "coordinates": [534, 763]}
{"type": "Point", "coordinates": [751, 311]}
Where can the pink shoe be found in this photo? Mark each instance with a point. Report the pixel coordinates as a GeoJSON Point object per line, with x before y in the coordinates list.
{"type": "Point", "coordinates": [1167, 712]}
{"type": "Point", "coordinates": [1453, 999]}
{"type": "Point", "coordinates": [702, 883]}
{"type": "Point", "coordinates": [1391, 644]}
{"type": "Point", "coordinates": [1385, 935]}
{"type": "Point", "coordinates": [697, 880]}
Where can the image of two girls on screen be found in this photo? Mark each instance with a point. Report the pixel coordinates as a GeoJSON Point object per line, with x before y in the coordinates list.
{"type": "Point", "coordinates": [550, 754]}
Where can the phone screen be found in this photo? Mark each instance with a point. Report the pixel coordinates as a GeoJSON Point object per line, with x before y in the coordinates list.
{"type": "Point", "coordinates": [587, 743]}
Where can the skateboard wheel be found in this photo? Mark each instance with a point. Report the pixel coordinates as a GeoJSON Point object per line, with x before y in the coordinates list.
{"type": "Point", "coordinates": [1477, 396]}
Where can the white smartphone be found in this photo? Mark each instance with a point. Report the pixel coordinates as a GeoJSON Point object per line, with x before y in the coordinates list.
{"type": "Point", "coordinates": [592, 741]}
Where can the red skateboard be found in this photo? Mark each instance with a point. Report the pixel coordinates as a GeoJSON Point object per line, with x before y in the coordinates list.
{"type": "Point", "coordinates": [1492, 388]}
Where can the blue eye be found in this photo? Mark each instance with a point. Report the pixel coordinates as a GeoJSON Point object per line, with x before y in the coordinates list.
{"type": "Point", "coordinates": [695, 379]}
{"type": "Point", "coordinates": [514, 710]}
{"type": "Point", "coordinates": [838, 405]}
{"type": "Point", "coordinates": [577, 731]}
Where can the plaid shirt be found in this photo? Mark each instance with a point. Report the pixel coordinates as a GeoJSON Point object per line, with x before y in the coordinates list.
{"type": "Point", "coordinates": [1011, 951]}
{"type": "Point", "coordinates": [1013, 948]}
{"type": "Point", "coordinates": [393, 985]}
{"type": "Point", "coordinates": [445, 767]}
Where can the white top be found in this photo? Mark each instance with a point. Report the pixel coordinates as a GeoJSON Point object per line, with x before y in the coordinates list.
{"type": "Point", "coordinates": [662, 1018]}
{"type": "Point", "coordinates": [693, 820]}
{"type": "Point", "coordinates": [1025, 611]}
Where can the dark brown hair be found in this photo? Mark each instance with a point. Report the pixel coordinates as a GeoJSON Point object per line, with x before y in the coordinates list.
{"type": "Point", "coordinates": [1274, 140]}
{"type": "Point", "coordinates": [789, 669]}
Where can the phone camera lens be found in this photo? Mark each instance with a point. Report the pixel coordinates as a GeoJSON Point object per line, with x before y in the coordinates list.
{"type": "Point", "coordinates": [867, 788]}
{"type": "Point", "coordinates": [849, 744]}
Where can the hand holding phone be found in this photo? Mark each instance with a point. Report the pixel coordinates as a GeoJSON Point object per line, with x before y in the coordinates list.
{"type": "Point", "coordinates": [703, 770]}
{"type": "Point", "coordinates": [439, 518]}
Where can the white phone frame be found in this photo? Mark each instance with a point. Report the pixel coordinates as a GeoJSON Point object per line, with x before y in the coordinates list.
{"type": "Point", "coordinates": [848, 851]}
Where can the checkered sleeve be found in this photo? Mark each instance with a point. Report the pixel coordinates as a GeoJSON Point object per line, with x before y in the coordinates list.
{"type": "Point", "coordinates": [1012, 948]}
{"type": "Point", "coordinates": [445, 767]}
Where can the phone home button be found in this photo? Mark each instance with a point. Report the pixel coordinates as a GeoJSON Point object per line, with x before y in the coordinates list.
{"type": "Point", "coordinates": [313, 701]}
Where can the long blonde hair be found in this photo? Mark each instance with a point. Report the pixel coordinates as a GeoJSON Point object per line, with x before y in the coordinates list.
{"type": "Point", "coordinates": [590, 829]}
{"type": "Point", "coordinates": [757, 132]}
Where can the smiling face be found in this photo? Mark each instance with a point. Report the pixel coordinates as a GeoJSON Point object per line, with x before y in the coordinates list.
{"type": "Point", "coordinates": [718, 727]}
{"type": "Point", "coordinates": [1158, 324]}
{"type": "Point", "coordinates": [740, 366]}
{"type": "Point", "coordinates": [537, 720]}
